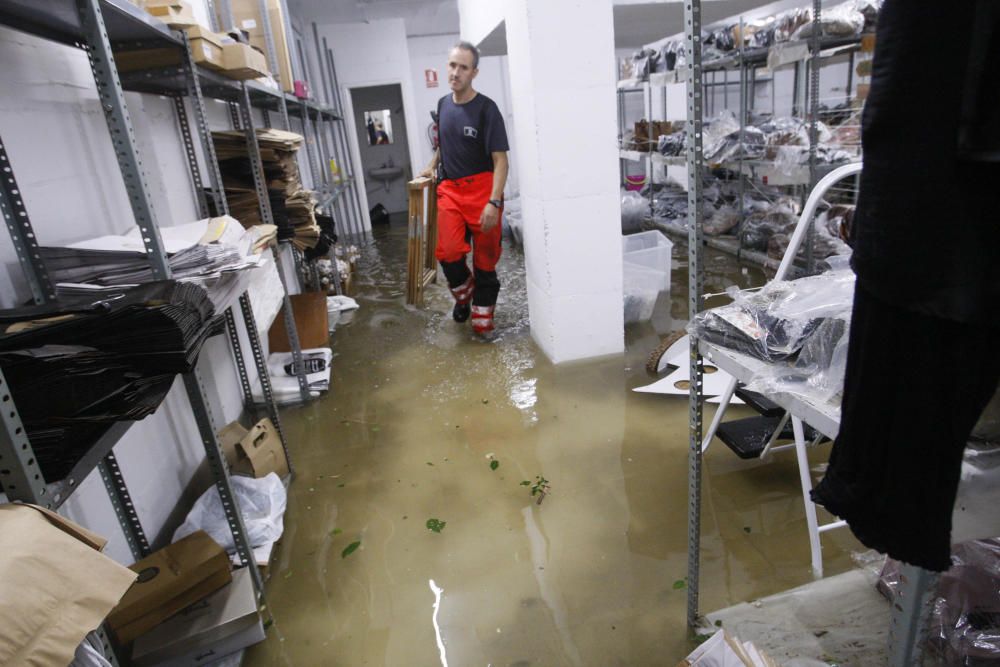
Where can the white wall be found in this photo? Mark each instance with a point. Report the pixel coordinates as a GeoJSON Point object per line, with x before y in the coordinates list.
{"type": "Point", "coordinates": [367, 54]}
{"type": "Point", "coordinates": [58, 144]}
{"type": "Point", "coordinates": [477, 19]}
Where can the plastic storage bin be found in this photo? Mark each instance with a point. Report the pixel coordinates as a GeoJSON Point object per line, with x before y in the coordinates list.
{"type": "Point", "coordinates": [651, 250]}
{"type": "Point", "coordinates": [641, 287]}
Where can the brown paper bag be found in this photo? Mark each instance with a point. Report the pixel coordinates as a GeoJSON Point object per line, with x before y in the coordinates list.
{"type": "Point", "coordinates": [56, 586]}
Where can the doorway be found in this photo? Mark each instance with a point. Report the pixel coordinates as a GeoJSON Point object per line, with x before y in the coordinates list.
{"type": "Point", "coordinates": [382, 142]}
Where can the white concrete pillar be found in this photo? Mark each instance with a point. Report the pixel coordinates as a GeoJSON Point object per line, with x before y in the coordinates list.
{"type": "Point", "coordinates": [563, 102]}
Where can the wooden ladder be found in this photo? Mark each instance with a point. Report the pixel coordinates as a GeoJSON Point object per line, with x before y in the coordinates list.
{"type": "Point", "coordinates": [421, 268]}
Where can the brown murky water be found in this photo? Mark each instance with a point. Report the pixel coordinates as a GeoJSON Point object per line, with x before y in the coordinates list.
{"type": "Point", "coordinates": [592, 576]}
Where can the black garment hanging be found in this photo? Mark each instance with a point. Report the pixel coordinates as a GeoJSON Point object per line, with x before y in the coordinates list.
{"type": "Point", "coordinates": [923, 358]}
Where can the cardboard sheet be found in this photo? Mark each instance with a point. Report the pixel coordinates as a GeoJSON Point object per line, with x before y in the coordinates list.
{"type": "Point", "coordinates": [56, 586]}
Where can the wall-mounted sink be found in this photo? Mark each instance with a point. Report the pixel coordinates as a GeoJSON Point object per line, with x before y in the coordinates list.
{"type": "Point", "coordinates": [386, 174]}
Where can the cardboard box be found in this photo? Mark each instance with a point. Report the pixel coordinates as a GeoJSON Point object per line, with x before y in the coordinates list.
{"type": "Point", "coordinates": [246, 14]}
{"type": "Point", "coordinates": [310, 323]}
{"type": "Point", "coordinates": [206, 630]}
{"type": "Point", "coordinates": [172, 12]}
{"type": "Point", "coordinates": [170, 580]}
{"type": "Point", "coordinates": [206, 49]}
{"type": "Point", "coordinates": [256, 452]}
{"type": "Point", "coordinates": [241, 61]}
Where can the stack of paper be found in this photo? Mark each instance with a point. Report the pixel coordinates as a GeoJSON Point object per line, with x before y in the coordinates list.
{"type": "Point", "coordinates": [724, 650]}
{"type": "Point", "coordinates": [212, 253]}
{"type": "Point", "coordinates": [292, 206]}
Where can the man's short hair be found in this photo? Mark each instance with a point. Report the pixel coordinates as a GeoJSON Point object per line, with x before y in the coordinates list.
{"type": "Point", "coordinates": [471, 48]}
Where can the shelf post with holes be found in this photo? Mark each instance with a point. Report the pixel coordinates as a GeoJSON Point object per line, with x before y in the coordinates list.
{"type": "Point", "coordinates": [695, 159]}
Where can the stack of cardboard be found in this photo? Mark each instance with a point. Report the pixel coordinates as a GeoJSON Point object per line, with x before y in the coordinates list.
{"type": "Point", "coordinates": [56, 585]}
{"type": "Point", "coordinates": [293, 207]}
{"type": "Point", "coordinates": [215, 51]}
{"type": "Point", "coordinates": [187, 606]}
{"type": "Point", "coordinates": [247, 18]}
{"type": "Point", "coordinates": [170, 580]}
{"type": "Point", "coordinates": [175, 13]}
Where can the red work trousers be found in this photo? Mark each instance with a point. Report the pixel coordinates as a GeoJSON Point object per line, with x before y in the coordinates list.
{"type": "Point", "coordinates": [460, 203]}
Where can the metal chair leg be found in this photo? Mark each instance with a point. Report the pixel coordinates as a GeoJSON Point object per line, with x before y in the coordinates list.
{"type": "Point", "coordinates": [811, 521]}
{"type": "Point", "coordinates": [727, 396]}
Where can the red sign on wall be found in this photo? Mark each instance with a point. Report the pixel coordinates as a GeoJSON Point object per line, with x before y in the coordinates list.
{"type": "Point", "coordinates": [431, 78]}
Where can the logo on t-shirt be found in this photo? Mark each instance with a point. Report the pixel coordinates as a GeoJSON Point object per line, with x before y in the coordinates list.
{"type": "Point", "coordinates": [470, 132]}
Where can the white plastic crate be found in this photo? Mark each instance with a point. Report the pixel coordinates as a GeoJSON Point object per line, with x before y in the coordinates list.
{"type": "Point", "coordinates": [649, 249]}
{"type": "Point", "coordinates": [641, 287]}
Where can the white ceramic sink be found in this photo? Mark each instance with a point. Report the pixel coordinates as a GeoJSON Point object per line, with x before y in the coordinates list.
{"type": "Point", "coordinates": [386, 173]}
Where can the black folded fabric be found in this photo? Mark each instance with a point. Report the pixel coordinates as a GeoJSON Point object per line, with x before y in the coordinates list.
{"type": "Point", "coordinates": [914, 388]}
{"type": "Point", "coordinates": [77, 366]}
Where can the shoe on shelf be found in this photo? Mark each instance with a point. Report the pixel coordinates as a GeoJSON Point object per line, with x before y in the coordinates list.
{"type": "Point", "coordinates": [461, 312]}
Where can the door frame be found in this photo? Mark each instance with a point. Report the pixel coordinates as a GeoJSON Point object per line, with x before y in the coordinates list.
{"type": "Point", "coordinates": [352, 131]}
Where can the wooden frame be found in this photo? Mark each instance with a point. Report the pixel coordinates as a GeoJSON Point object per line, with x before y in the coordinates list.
{"type": "Point", "coordinates": [421, 268]}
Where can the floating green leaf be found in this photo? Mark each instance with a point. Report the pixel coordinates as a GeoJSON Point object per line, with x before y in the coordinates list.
{"type": "Point", "coordinates": [525, 483]}
{"type": "Point", "coordinates": [436, 525]}
{"type": "Point", "coordinates": [718, 623]}
{"type": "Point", "coordinates": [679, 584]}
{"type": "Point", "coordinates": [288, 574]}
{"type": "Point", "coordinates": [335, 532]}
{"type": "Point", "coordinates": [340, 486]}
{"type": "Point", "coordinates": [430, 464]}
{"type": "Point", "coordinates": [349, 549]}
{"type": "Point", "coordinates": [375, 429]}
{"type": "Point", "coordinates": [494, 464]}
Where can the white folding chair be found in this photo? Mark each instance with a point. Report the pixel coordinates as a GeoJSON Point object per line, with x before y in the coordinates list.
{"type": "Point", "coordinates": [798, 429]}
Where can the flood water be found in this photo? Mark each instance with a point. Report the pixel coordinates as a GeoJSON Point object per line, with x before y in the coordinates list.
{"type": "Point", "coordinates": [594, 575]}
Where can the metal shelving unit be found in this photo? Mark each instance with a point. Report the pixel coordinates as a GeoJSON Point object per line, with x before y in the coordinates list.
{"type": "Point", "coordinates": [808, 58]}
{"type": "Point", "coordinates": [910, 609]}
{"type": "Point", "coordinates": [97, 27]}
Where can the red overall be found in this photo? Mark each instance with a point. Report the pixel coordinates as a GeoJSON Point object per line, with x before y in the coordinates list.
{"type": "Point", "coordinates": [460, 204]}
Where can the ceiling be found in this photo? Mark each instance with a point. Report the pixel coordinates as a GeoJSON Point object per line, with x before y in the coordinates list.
{"type": "Point", "coordinates": [637, 22]}
{"type": "Point", "coordinates": [423, 17]}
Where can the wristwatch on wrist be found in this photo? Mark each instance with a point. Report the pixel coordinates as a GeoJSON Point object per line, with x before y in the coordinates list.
{"type": "Point", "coordinates": [497, 203]}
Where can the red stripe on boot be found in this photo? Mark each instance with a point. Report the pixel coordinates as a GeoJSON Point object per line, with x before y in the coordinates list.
{"type": "Point", "coordinates": [463, 293]}
{"type": "Point", "coordinates": [482, 318]}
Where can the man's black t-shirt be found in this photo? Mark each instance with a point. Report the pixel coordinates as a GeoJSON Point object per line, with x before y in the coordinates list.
{"type": "Point", "coordinates": [469, 133]}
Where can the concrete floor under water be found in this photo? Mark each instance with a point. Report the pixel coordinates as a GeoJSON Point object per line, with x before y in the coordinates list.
{"type": "Point", "coordinates": [594, 575]}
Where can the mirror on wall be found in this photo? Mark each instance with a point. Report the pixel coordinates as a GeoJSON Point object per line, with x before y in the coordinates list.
{"type": "Point", "coordinates": [379, 125]}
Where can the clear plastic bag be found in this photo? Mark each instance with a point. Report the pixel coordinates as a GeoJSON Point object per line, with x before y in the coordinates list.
{"type": "Point", "coordinates": [987, 428]}
{"type": "Point", "coordinates": [786, 23]}
{"type": "Point", "coordinates": [644, 62]}
{"type": "Point", "coordinates": [843, 20]}
{"type": "Point", "coordinates": [261, 501]}
{"type": "Point", "coordinates": [759, 34]}
{"type": "Point", "coordinates": [722, 221]}
{"type": "Point", "coordinates": [671, 144]}
{"type": "Point", "coordinates": [716, 132]}
{"type": "Point", "coordinates": [964, 628]}
{"type": "Point", "coordinates": [773, 323]}
{"type": "Point", "coordinates": [817, 374]}
{"type": "Point", "coordinates": [512, 220]}
{"type": "Point", "coordinates": [668, 56]}
{"type": "Point", "coordinates": [635, 208]}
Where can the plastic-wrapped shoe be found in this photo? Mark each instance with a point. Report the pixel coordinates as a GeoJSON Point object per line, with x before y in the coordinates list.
{"type": "Point", "coordinates": [461, 312]}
